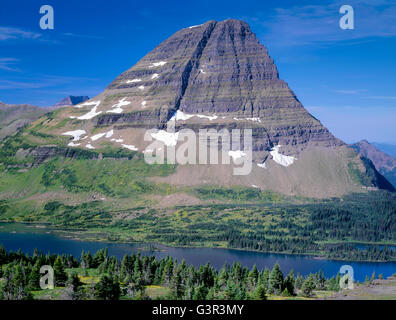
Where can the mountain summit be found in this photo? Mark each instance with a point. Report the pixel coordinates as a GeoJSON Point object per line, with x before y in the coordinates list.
{"type": "Point", "coordinates": [216, 75]}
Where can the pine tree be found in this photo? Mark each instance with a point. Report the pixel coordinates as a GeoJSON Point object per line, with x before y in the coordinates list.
{"type": "Point", "coordinates": [264, 278]}
{"type": "Point", "coordinates": [176, 286]}
{"type": "Point", "coordinates": [299, 282]}
{"type": "Point", "coordinates": [259, 293]}
{"type": "Point", "coordinates": [34, 277]}
{"type": "Point", "coordinates": [275, 280]}
{"type": "Point", "coordinates": [107, 288]}
{"type": "Point", "coordinates": [200, 292]}
{"type": "Point", "coordinates": [253, 276]}
{"type": "Point", "coordinates": [231, 291]}
{"type": "Point", "coordinates": [288, 284]}
{"type": "Point", "coordinates": [308, 286]}
{"type": "Point", "coordinates": [59, 272]}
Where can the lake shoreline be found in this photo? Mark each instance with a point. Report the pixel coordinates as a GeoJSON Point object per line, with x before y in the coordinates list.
{"type": "Point", "coordinates": [27, 237]}
{"type": "Point", "coordinates": [59, 231]}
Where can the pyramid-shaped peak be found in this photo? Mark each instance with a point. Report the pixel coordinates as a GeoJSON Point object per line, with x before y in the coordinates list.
{"type": "Point", "coordinates": [217, 69]}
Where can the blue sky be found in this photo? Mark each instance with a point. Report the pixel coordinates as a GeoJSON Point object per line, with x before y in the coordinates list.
{"type": "Point", "coordinates": [346, 78]}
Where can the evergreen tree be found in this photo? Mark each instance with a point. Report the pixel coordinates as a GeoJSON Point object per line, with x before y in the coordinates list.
{"type": "Point", "coordinates": [275, 284]}
{"type": "Point", "coordinates": [231, 291]}
{"type": "Point", "coordinates": [200, 292]}
{"type": "Point", "coordinates": [176, 285]}
{"type": "Point", "coordinates": [288, 284]}
{"type": "Point", "coordinates": [59, 272]}
{"type": "Point", "coordinates": [107, 288]}
{"type": "Point", "coordinates": [299, 281]}
{"type": "Point", "coordinates": [259, 293]}
{"type": "Point", "coordinates": [253, 276]}
{"type": "Point", "coordinates": [308, 286]}
{"type": "Point", "coordinates": [34, 277]}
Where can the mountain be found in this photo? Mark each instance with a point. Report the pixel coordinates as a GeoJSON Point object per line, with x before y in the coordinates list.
{"type": "Point", "coordinates": [385, 164]}
{"type": "Point", "coordinates": [14, 117]}
{"type": "Point", "coordinates": [71, 101]}
{"type": "Point", "coordinates": [215, 76]}
{"type": "Point", "coordinates": [388, 148]}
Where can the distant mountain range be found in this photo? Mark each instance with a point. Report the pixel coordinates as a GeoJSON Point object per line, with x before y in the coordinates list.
{"type": "Point", "coordinates": [384, 163]}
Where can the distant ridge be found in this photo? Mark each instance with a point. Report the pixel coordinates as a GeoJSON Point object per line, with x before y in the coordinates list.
{"type": "Point", "coordinates": [385, 164]}
{"type": "Point", "coordinates": [71, 101]}
{"type": "Point", "coordinates": [14, 117]}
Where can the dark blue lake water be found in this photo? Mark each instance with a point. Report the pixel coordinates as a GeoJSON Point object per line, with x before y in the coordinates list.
{"type": "Point", "coordinates": [27, 238]}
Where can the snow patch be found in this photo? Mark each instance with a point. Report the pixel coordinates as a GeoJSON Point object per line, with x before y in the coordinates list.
{"type": "Point", "coordinates": [254, 119]}
{"type": "Point", "coordinates": [89, 146]}
{"type": "Point", "coordinates": [144, 103]}
{"type": "Point", "coordinates": [117, 107]}
{"type": "Point", "coordinates": [198, 25]}
{"type": "Point", "coordinates": [117, 140]}
{"type": "Point", "coordinates": [130, 147]}
{"type": "Point", "coordinates": [168, 138]}
{"type": "Point", "coordinates": [157, 64]}
{"type": "Point", "coordinates": [210, 118]}
{"type": "Point", "coordinates": [155, 76]}
{"type": "Point", "coordinates": [89, 103]}
{"type": "Point", "coordinates": [109, 134]}
{"type": "Point", "coordinates": [72, 144]}
{"type": "Point", "coordinates": [202, 71]}
{"type": "Point", "coordinates": [134, 80]}
{"type": "Point", "coordinates": [280, 158]}
{"type": "Point", "coordinates": [254, 186]}
{"type": "Point", "coordinates": [75, 134]}
{"type": "Point", "coordinates": [180, 115]}
{"type": "Point", "coordinates": [98, 136]}
{"type": "Point", "coordinates": [141, 87]}
{"type": "Point", "coordinates": [249, 119]}
{"type": "Point", "coordinates": [91, 114]}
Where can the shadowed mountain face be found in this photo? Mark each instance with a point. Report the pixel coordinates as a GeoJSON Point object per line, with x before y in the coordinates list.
{"type": "Point", "coordinates": [385, 164]}
{"type": "Point", "coordinates": [213, 76]}
{"type": "Point", "coordinates": [14, 117]}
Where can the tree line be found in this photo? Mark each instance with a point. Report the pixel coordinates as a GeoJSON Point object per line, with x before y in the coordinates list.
{"type": "Point", "coordinates": [129, 278]}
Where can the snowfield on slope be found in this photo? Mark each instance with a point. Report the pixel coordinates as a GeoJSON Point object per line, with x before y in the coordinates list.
{"type": "Point", "coordinates": [91, 114]}
{"type": "Point", "coordinates": [76, 134]}
{"type": "Point", "coordinates": [280, 158]}
{"type": "Point", "coordinates": [117, 107]}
